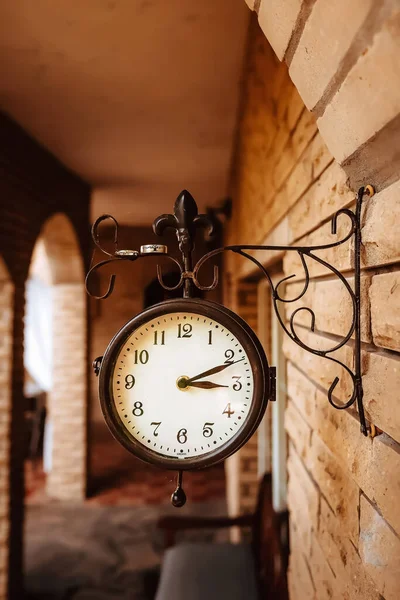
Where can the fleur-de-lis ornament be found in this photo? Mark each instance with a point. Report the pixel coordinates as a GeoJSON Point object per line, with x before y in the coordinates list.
{"type": "Point", "coordinates": [185, 221]}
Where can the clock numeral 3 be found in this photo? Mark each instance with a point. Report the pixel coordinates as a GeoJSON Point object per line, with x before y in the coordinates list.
{"type": "Point", "coordinates": [137, 409]}
{"type": "Point", "coordinates": [157, 424]}
{"type": "Point", "coordinates": [182, 436]}
{"type": "Point", "coordinates": [229, 354]}
{"type": "Point", "coordinates": [141, 357]}
{"type": "Point", "coordinates": [185, 330]}
{"type": "Point", "coordinates": [129, 382]}
{"type": "Point", "coordinates": [162, 343]}
{"type": "Point", "coordinates": [237, 386]}
{"type": "Point", "coordinates": [228, 411]}
{"type": "Point", "coordinates": [207, 431]}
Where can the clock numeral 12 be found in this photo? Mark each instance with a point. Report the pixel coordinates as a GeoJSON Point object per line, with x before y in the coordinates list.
{"type": "Point", "coordinates": [186, 328]}
{"type": "Point", "coordinates": [210, 337]}
{"type": "Point", "coordinates": [156, 338]}
{"type": "Point", "coordinates": [141, 357]}
{"type": "Point", "coordinates": [157, 424]}
{"type": "Point", "coordinates": [228, 411]}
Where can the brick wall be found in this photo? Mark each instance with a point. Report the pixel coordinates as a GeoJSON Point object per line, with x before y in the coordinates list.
{"type": "Point", "coordinates": [33, 187]}
{"type": "Point", "coordinates": [6, 307]}
{"type": "Point", "coordinates": [342, 487]}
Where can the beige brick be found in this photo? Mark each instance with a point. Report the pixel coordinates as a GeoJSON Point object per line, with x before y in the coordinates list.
{"type": "Point", "coordinates": [379, 551]}
{"type": "Point", "coordinates": [328, 194]}
{"type": "Point", "coordinates": [340, 490]}
{"type": "Point", "coordinates": [301, 586]}
{"type": "Point", "coordinates": [373, 464]}
{"type": "Point", "coordinates": [381, 378]}
{"type": "Point", "coordinates": [326, 585]}
{"type": "Point", "coordinates": [298, 430]}
{"type": "Point", "coordinates": [385, 310]}
{"type": "Point", "coordinates": [303, 500]}
{"type": "Point", "coordinates": [325, 40]}
{"type": "Point", "coordinates": [369, 96]}
{"type": "Point", "coordinates": [302, 392]}
{"type": "Point", "coordinates": [381, 222]}
{"type": "Point", "coordinates": [381, 375]}
{"type": "Point", "coordinates": [343, 558]}
{"type": "Point", "coordinates": [277, 19]}
{"type": "Point", "coordinates": [332, 305]}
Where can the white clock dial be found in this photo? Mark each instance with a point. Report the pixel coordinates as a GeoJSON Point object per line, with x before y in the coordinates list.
{"type": "Point", "coordinates": [160, 395]}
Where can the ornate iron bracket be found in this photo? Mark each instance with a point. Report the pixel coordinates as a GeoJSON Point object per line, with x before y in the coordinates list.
{"type": "Point", "coordinates": [186, 220]}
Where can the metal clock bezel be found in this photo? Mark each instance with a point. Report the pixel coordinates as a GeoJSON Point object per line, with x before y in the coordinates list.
{"type": "Point", "coordinates": [257, 359]}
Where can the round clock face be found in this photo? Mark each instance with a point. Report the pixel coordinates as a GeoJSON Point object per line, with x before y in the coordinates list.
{"type": "Point", "coordinates": [184, 381]}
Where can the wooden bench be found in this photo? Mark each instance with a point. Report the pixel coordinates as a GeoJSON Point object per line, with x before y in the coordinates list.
{"type": "Point", "coordinates": [204, 571]}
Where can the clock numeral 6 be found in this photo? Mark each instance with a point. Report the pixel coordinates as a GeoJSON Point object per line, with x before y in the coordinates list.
{"type": "Point", "coordinates": [141, 357]}
{"type": "Point", "coordinates": [182, 436]}
{"type": "Point", "coordinates": [207, 431]}
{"type": "Point", "coordinates": [129, 382]}
{"type": "Point", "coordinates": [137, 409]}
{"type": "Point", "coordinates": [186, 328]}
{"type": "Point", "coordinates": [157, 424]}
{"type": "Point", "coordinates": [237, 386]}
{"type": "Point", "coordinates": [228, 411]}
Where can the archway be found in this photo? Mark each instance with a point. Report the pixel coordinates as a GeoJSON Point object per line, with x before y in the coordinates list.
{"type": "Point", "coordinates": [55, 354]}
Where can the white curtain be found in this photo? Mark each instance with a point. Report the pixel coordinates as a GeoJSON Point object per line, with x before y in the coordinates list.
{"type": "Point", "coordinates": [38, 350]}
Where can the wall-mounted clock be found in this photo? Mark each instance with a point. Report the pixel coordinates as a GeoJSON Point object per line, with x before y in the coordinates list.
{"type": "Point", "coordinates": [184, 384]}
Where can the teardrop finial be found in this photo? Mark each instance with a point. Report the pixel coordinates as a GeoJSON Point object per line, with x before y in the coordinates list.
{"type": "Point", "coordinates": [178, 498]}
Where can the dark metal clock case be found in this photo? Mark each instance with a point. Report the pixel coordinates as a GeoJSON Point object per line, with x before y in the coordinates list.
{"type": "Point", "coordinates": [263, 376]}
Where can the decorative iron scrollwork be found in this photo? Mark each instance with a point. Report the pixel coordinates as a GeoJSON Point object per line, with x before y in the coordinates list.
{"type": "Point", "coordinates": [185, 220]}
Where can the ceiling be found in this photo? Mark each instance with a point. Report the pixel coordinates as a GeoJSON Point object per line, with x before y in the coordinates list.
{"type": "Point", "coordinates": [139, 97]}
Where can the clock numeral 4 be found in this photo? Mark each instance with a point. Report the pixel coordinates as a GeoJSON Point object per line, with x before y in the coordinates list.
{"type": "Point", "coordinates": [137, 409]}
{"type": "Point", "coordinates": [141, 357]}
{"type": "Point", "coordinates": [237, 386]}
{"type": "Point", "coordinates": [207, 431]}
{"type": "Point", "coordinates": [185, 330]}
{"type": "Point", "coordinates": [228, 411]}
{"type": "Point", "coordinates": [182, 436]}
{"type": "Point", "coordinates": [156, 338]}
{"type": "Point", "coordinates": [129, 382]}
{"type": "Point", "coordinates": [157, 424]}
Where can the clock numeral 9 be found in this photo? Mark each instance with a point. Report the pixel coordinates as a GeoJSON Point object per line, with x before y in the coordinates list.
{"type": "Point", "coordinates": [186, 328]}
{"type": "Point", "coordinates": [228, 411]}
{"type": "Point", "coordinates": [129, 382]}
{"type": "Point", "coordinates": [229, 354]}
{"type": "Point", "coordinates": [162, 338]}
{"type": "Point", "coordinates": [157, 424]}
{"type": "Point", "coordinates": [237, 386]}
{"type": "Point", "coordinates": [207, 431]}
{"type": "Point", "coordinates": [137, 409]}
{"type": "Point", "coordinates": [141, 357]}
{"type": "Point", "coordinates": [182, 436]}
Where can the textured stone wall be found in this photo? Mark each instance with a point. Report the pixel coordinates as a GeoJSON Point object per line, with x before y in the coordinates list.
{"type": "Point", "coordinates": [343, 487]}
{"type": "Point", "coordinates": [33, 187]}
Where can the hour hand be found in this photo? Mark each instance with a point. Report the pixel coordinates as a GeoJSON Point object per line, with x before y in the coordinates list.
{"type": "Point", "coordinates": [206, 385]}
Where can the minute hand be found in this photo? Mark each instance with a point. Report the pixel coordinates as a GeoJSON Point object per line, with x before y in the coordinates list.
{"type": "Point", "coordinates": [213, 371]}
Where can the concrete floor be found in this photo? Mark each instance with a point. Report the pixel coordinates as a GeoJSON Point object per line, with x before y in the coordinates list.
{"type": "Point", "coordinates": [90, 552]}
